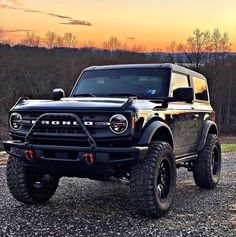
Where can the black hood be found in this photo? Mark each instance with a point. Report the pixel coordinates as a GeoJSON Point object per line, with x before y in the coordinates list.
{"type": "Point", "coordinates": [85, 103]}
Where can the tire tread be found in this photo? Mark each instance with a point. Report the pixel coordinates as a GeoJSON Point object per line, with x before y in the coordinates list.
{"type": "Point", "coordinates": [202, 166]}
{"type": "Point", "coordinates": [17, 181]}
{"type": "Point", "coordinates": [142, 192]}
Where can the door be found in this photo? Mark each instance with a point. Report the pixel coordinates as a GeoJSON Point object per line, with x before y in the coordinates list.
{"type": "Point", "coordinates": [185, 118]}
{"type": "Point", "coordinates": [185, 127]}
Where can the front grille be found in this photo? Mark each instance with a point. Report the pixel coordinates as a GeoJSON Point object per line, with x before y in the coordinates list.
{"type": "Point", "coordinates": [61, 129]}
{"type": "Point", "coordinates": [48, 128]}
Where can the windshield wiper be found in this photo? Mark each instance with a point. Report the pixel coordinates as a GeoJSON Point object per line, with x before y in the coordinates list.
{"type": "Point", "coordinates": [123, 94]}
{"type": "Point", "coordinates": [85, 95]}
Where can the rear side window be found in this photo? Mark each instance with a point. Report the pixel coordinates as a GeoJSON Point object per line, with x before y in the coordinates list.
{"type": "Point", "coordinates": [178, 80]}
{"type": "Point", "coordinates": [200, 88]}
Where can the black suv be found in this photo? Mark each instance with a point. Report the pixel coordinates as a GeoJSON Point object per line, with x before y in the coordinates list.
{"type": "Point", "coordinates": [135, 121]}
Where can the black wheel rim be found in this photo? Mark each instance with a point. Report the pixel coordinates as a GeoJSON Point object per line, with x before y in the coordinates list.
{"type": "Point", "coordinates": [215, 162]}
{"type": "Point", "coordinates": [39, 182]}
{"type": "Point", "coordinates": [164, 180]}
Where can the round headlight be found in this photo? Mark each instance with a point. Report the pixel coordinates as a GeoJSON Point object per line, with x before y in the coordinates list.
{"type": "Point", "coordinates": [118, 123]}
{"type": "Point", "coordinates": [15, 121]}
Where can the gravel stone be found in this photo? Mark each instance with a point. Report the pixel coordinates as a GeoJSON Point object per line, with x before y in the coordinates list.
{"type": "Point", "coordinates": [82, 207]}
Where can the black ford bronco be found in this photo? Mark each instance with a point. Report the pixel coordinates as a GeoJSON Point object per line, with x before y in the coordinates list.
{"type": "Point", "coordinates": [135, 121]}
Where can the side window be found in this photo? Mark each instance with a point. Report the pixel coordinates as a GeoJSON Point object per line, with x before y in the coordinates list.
{"type": "Point", "coordinates": [178, 80]}
{"type": "Point", "coordinates": [200, 88]}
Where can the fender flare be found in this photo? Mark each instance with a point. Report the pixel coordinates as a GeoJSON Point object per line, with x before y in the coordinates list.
{"type": "Point", "coordinates": [207, 126]}
{"type": "Point", "coordinates": [150, 130]}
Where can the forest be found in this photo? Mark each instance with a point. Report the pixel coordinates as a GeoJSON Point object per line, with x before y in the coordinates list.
{"type": "Point", "coordinates": [35, 66]}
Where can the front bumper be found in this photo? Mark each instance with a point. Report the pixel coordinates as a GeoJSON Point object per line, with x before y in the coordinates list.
{"type": "Point", "coordinates": [62, 153]}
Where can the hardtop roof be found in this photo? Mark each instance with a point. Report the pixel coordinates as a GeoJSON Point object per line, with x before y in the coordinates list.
{"type": "Point", "coordinates": [173, 67]}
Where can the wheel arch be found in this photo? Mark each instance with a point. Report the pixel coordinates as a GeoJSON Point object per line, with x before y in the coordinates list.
{"type": "Point", "coordinates": [157, 130]}
{"type": "Point", "coordinates": [209, 127]}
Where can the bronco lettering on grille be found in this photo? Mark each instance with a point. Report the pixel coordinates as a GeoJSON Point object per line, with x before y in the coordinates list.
{"type": "Point", "coordinates": [62, 123]}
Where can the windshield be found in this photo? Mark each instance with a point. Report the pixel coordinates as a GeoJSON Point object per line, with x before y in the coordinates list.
{"type": "Point", "coordinates": [141, 82]}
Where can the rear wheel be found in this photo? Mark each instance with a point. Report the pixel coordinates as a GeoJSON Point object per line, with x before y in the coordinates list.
{"type": "Point", "coordinates": [153, 181]}
{"type": "Point", "coordinates": [207, 167]}
{"type": "Point", "coordinates": [27, 187]}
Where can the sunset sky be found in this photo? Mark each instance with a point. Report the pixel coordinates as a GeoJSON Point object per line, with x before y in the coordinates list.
{"type": "Point", "coordinates": [152, 23]}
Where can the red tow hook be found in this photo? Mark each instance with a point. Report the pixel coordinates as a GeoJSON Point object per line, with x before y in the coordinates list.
{"type": "Point", "coordinates": [89, 158]}
{"type": "Point", "coordinates": [29, 154]}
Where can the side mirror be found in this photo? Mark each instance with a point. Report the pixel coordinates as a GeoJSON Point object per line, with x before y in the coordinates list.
{"type": "Point", "coordinates": [58, 94]}
{"type": "Point", "coordinates": [183, 94]}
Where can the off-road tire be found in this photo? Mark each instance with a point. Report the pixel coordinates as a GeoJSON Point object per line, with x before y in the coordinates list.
{"type": "Point", "coordinates": [144, 179]}
{"type": "Point", "coordinates": [20, 182]}
{"type": "Point", "coordinates": [203, 166]}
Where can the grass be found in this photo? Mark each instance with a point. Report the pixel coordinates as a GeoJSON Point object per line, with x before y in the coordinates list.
{"type": "Point", "coordinates": [228, 147]}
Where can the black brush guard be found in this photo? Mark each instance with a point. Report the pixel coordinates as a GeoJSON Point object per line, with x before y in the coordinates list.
{"type": "Point", "coordinates": [136, 152]}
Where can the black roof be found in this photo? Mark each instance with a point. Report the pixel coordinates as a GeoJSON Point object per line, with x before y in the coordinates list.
{"type": "Point", "coordinates": [173, 67]}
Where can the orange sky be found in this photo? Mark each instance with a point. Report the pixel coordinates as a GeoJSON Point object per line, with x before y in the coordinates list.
{"type": "Point", "coordinates": [152, 23]}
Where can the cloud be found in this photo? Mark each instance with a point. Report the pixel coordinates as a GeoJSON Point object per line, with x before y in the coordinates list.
{"type": "Point", "coordinates": [15, 31]}
{"type": "Point", "coordinates": [29, 10]}
{"type": "Point", "coordinates": [46, 13]}
{"type": "Point", "coordinates": [130, 38]}
{"type": "Point", "coordinates": [77, 22]}
{"type": "Point", "coordinates": [71, 21]}
{"type": "Point", "coordinates": [59, 16]}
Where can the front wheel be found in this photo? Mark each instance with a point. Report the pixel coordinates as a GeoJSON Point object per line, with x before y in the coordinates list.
{"type": "Point", "coordinates": [153, 180]}
{"type": "Point", "coordinates": [207, 167]}
{"type": "Point", "coordinates": [27, 187]}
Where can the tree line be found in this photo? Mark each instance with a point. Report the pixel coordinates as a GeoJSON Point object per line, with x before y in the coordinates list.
{"type": "Point", "coordinates": [26, 69]}
{"type": "Point", "coordinates": [68, 40]}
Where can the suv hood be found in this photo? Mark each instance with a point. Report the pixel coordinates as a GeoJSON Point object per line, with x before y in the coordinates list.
{"type": "Point", "coordinates": [84, 103]}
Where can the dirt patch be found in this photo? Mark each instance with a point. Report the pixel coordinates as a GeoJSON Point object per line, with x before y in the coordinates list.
{"type": "Point", "coordinates": [3, 158]}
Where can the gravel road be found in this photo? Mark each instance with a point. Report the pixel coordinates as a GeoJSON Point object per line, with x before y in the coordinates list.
{"type": "Point", "coordinates": [82, 207]}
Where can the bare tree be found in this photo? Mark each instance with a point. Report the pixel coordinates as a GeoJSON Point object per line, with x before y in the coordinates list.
{"type": "Point", "coordinates": [198, 44]}
{"type": "Point", "coordinates": [138, 48]}
{"type": "Point", "coordinates": [88, 44]}
{"type": "Point", "coordinates": [225, 43]}
{"type": "Point", "coordinates": [70, 40]}
{"type": "Point", "coordinates": [31, 40]}
{"type": "Point", "coordinates": [172, 48]}
{"type": "Point", "coordinates": [60, 41]}
{"type": "Point", "coordinates": [2, 34]}
{"type": "Point", "coordinates": [112, 44]}
{"type": "Point", "coordinates": [50, 39]}
{"type": "Point", "coordinates": [220, 48]}
{"type": "Point", "coordinates": [220, 45]}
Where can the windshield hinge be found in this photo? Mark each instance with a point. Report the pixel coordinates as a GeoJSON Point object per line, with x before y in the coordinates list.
{"type": "Point", "coordinates": [128, 102]}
